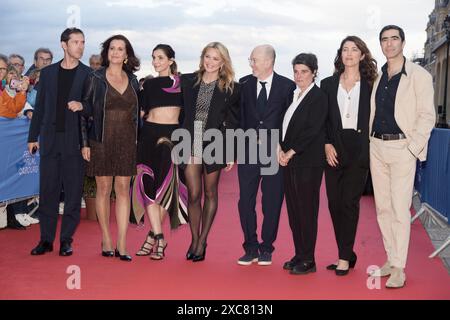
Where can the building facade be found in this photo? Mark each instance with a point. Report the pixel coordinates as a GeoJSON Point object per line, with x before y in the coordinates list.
{"type": "Point", "coordinates": [435, 55]}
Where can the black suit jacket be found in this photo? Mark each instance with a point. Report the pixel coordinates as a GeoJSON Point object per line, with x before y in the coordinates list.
{"type": "Point", "coordinates": [280, 97]}
{"type": "Point", "coordinates": [306, 131]}
{"type": "Point", "coordinates": [330, 86]}
{"type": "Point", "coordinates": [43, 123]}
{"type": "Point", "coordinates": [223, 112]}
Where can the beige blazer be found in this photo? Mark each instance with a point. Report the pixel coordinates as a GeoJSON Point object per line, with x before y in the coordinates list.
{"type": "Point", "coordinates": [414, 107]}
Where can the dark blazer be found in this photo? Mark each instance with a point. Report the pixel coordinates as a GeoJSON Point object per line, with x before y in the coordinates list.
{"type": "Point", "coordinates": [223, 113]}
{"type": "Point", "coordinates": [95, 90]}
{"type": "Point", "coordinates": [306, 131]}
{"type": "Point", "coordinates": [43, 123]}
{"type": "Point", "coordinates": [280, 97]}
{"type": "Point", "coordinates": [330, 86]}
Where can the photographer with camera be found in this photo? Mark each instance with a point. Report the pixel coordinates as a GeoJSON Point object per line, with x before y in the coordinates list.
{"type": "Point", "coordinates": [13, 97]}
{"type": "Point", "coordinates": [32, 93]}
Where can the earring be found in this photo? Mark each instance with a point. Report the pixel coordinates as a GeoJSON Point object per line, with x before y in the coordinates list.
{"type": "Point", "coordinates": [125, 61]}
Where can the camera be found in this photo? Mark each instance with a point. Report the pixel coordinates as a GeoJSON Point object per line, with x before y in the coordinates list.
{"type": "Point", "coordinates": [15, 84]}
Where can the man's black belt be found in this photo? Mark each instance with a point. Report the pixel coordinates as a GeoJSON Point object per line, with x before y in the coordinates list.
{"type": "Point", "coordinates": [389, 136]}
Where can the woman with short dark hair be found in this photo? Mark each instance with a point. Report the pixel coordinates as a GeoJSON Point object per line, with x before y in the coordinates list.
{"type": "Point", "coordinates": [302, 157]}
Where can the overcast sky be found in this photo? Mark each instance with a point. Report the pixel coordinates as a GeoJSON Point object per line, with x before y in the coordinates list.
{"type": "Point", "coordinates": [292, 27]}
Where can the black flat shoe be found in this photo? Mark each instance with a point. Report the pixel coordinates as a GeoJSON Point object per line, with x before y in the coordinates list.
{"type": "Point", "coordinates": [341, 272]}
{"type": "Point", "coordinates": [123, 257]}
{"type": "Point", "coordinates": [42, 248]}
{"type": "Point", "coordinates": [351, 264]}
{"type": "Point", "coordinates": [303, 268]}
{"type": "Point", "coordinates": [65, 249]}
{"type": "Point", "coordinates": [289, 265]}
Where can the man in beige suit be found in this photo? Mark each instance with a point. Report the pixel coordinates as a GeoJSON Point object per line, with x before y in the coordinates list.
{"type": "Point", "coordinates": [402, 117]}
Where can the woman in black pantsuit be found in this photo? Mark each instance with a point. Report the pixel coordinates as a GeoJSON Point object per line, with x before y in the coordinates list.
{"type": "Point", "coordinates": [302, 157]}
{"type": "Point", "coordinates": [347, 142]}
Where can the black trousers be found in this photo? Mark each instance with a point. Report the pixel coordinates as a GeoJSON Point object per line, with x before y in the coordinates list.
{"type": "Point", "coordinates": [272, 200]}
{"type": "Point", "coordinates": [59, 171]}
{"type": "Point", "coordinates": [345, 185]}
{"type": "Point", "coordinates": [302, 188]}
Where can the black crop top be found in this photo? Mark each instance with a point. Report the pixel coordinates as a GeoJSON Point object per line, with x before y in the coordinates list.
{"type": "Point", "coordinates": [160, 92]}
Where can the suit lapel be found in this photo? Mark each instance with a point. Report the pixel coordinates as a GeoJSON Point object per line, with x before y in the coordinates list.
{"type": "Point", "coordinates": [217, 100]}
{"type": "Point", "coordinates": [399, 105]}
{"type": "Point", "coordinates": [372, 100]}
{"type": "Point", "coordinates": [75, 91]}
{"type": "Point", "coordinates": [273, 89]}
{"type": "Point", "coordinates": [362, 111]}
{"type": "Point", "coordinates": [300, 110]}
{"type": "Point", "coordinates": [336, 111]}
{"type": "Point", "coordinates": [252, 87]}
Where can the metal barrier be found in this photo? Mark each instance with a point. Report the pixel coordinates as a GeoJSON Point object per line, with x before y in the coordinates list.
{"type": "Point", "coordinates": [432, 181]}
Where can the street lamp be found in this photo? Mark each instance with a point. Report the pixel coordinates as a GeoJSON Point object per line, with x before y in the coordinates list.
{"type": "Point", "coordinates": [446, 28]}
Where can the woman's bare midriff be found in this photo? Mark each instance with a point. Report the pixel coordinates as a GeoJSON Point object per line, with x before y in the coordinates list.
{"type": "Point", "coordinates": [164, 115]}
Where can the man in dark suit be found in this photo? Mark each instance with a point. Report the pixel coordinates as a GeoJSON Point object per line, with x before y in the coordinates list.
{"type": "Point", "coordinates": [56, 123]}
{"type": "Point", "coordinates": [265, 96]}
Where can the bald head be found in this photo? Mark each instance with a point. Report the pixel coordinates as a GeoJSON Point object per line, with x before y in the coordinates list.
{"type": "Point", "coordinates": [267, 51]}
{"type": "Point", "coordinates": [262, 61]}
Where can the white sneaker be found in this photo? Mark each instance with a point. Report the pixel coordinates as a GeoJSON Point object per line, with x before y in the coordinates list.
{"type": "Point", "coordinates": [31, 219]}
{"type": "Point", "coordinates": [20, 217]}
{"type": "Point", "coordinates": [61, 208]}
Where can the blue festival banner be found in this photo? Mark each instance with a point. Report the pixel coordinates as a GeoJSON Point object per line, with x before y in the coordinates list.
{"type": "Point", "coordinates": [19, 170]}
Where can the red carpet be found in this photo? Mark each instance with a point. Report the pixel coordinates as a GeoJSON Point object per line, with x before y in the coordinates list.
{"type": "Point", "coordinates": [23, 276]}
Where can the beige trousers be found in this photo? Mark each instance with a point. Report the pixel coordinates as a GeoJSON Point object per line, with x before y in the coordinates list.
{"type": "Point", "coordinates": [393, 168]}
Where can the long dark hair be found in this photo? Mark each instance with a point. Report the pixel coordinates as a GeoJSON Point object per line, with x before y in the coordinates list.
{"type": "Point", "coordinates": [170, 53]}
{"type": "Point", "coordinates": [133, 62]}
{"type": "Point", "coordinates": [367, 67]}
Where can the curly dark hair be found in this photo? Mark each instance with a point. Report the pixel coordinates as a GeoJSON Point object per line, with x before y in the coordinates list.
{"type": "Point", "coordinates": [133, 62]}
{"type": "Point", "coordinates": [367, 67]}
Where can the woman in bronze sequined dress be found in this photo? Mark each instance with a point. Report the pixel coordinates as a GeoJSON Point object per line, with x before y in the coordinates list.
{"type": "Point", "coordinates": [109, 130]}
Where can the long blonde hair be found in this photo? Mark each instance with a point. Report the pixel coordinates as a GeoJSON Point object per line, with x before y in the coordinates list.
{"type": "Point", "coordinates": [226, 72]}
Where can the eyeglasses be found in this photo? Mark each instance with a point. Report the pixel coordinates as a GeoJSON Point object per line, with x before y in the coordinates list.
{"type": "Point", "coordinates": [45, 59]}
{"type": "Point", "coordinates": [251, 61]}
{"type": "Point", "coordinates": [17, 64]}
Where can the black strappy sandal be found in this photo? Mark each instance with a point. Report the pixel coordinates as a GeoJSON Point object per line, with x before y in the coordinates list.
{"type": "Point", "coordinates": [160, 247]}
{"type": "Point", "coordinates": [146, 250]}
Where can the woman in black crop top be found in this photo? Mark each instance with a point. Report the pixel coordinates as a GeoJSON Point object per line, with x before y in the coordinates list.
{"type": "Point", "coordinates": [157, 188]}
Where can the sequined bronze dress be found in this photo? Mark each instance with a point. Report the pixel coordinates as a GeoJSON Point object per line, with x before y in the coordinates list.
{"type": "Point", "coordinates": [116, 156]}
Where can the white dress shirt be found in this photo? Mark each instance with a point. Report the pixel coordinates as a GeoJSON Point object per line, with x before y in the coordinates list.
{"type": "Point", "coordinates": [349, 105]}
{"type": "Point", "coordinates": [297, 99]}
{"type": "Point", "coordinates": [268, 82]}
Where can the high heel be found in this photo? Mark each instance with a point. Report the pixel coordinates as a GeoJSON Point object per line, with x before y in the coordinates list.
{"type": "Point", "coordinates": [160, 248]}
{"type": "Point", "coordinates": [201, 257]}
{"type": "Point", "coordinates": [107, 253]}
{"type": "Point", "coordinates": [189, 254]}
{"type": "Point", "coordinates": [123, 257]}
{"type": "Point", "coordinates": [145, 250]}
